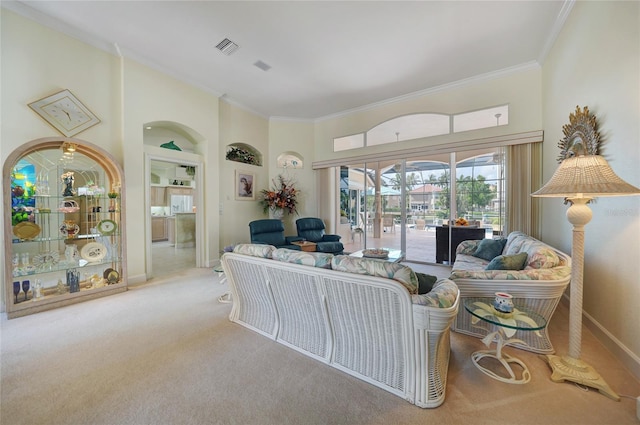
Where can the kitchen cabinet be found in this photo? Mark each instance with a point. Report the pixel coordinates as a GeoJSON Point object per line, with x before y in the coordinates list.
{"type": "Point", "coordinates": [64, 233]}
{"type": "Point", "coordinates": [158, 196]}
{"type": "Point", "coordinates": [171, 230]}
{"type": "Point", "coordinates": [158, 229]}
{"type": "Point", "coordinates": [172, 190]}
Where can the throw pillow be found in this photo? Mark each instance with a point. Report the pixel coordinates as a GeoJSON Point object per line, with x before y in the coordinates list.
{"type": "Point", "coordinates": [488, 249]}
{"type": "Point", "coordinates": [425, 282]}
{"type": "Point", "coordinates": [508, 262]}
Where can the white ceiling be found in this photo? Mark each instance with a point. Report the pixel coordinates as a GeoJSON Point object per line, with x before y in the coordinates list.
{"type": "Point", "coordinates": [326, 57]}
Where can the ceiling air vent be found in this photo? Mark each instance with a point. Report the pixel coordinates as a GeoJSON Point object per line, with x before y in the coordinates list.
{"type": "Point", "coordinates": [227, 46]}
{"type": "Point", "coordinates": [263, 66]}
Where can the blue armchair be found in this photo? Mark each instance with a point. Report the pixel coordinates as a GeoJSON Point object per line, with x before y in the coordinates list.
{"type": "Point", "coordinates": [312, 229]}
{"type": "Point", "coordinates": [271, 232]}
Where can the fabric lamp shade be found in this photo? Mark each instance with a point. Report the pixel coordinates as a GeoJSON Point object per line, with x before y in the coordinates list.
{"type": "Point", "coordinates": [585, 176]}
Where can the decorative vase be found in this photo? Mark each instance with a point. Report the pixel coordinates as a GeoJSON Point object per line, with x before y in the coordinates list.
{"type": "Point", "coordinates": [71, 253]}
{"type": "Point", "coordinates": [277, 213]}
{"type": "Point", "coordinates": [503, 302]}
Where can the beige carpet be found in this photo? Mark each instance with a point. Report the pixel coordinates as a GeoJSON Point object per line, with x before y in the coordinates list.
{"type": "Point", "coordinates": [165, 353]}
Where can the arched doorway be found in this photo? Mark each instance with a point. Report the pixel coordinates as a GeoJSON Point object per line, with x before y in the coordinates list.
{"type": "Point", "coordinates": [174, 191]}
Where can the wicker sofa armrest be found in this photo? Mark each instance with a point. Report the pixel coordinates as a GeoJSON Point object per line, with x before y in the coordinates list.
{"type": "Point", "coordinates": [444, 294]}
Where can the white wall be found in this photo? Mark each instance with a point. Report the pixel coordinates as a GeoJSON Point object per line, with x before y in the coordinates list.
{"type": "Point", "coordinates": [295, 136]}
{"type": "Point", "coordinates": [595, 63]}
{"type": "Point", "coordinates": [521, 90]}
{"type": "Point", "coordinates": [150, 96]}
{"type": "Point", "coordinates": [240, 126]}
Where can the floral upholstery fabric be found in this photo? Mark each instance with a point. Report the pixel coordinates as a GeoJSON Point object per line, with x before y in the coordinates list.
{"type": "Point", "coordinates": [442, 295]}
{"type": "Point", "coordinates": [514, 242]}
{"type": "Point", "coordinates": [555, 273]}
{"type": "Point", "coordinates": [314, 259]}
{"type": "Point", "coordinates": [366, 266]}
{"type": "Point", "coordinates": [540, 255]}
{"type": "Point", "coordinates": [467, 247]}
{"type": "Point", "coordinates": [255, 250]}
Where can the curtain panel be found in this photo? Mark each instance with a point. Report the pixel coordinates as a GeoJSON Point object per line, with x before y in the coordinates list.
{"type": "Point", "coordinates": [523, 176]}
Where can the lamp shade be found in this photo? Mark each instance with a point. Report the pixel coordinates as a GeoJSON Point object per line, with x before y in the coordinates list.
{"type": "Point", "coordinates": [587, 176]}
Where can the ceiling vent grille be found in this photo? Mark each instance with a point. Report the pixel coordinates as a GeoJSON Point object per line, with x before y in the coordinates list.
{"type": "Point", "coordinates": [227, 46]}
{"type": "Point", "coordinates": [263, 66]}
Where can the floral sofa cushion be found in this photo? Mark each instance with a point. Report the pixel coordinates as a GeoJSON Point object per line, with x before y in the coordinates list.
{"type": "Point", "coordinates": [255, 250]}
{"type": "Point", "coordinates": [540, 256]}
{"type": "Point", "coordinates": [314, 259]}
{"type": "Point", "coordinates": [442, 295]}
{"type": "Point", "coordinates": [366, 266]}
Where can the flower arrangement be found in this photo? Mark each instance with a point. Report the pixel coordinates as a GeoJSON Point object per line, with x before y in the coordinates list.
{"type": "Point", "coordinates": [281, 197]}
{"type": "Point", "coordinates": [461, 222]}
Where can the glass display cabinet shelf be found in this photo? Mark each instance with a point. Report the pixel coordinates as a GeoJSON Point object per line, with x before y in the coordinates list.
{"type": "Point", "coordinates": [65, 237]}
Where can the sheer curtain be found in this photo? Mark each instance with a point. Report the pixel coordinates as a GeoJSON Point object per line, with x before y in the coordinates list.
{"type": "Point", "coordinates": [524, 176]}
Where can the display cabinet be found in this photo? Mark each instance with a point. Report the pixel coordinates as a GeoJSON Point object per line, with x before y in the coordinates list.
{"type": "Point", "coordinates": [64, 227]}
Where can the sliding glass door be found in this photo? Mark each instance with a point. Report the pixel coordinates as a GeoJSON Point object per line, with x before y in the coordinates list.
{"type": "Point", "coordinates": [401, 204]}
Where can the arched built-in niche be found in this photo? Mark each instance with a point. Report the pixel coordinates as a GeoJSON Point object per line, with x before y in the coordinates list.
{"type": "Point", "coordinates": [244, 153]}
{"type": "Point", "coordinates": [157, 133]}
{"type": "Point", "coordinates": [290, 159]}
{"type": "Point", "coordinates": [65, 233]}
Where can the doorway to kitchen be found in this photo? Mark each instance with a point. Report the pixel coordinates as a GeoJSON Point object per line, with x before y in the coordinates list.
{"type": "Point", "coordinates": [173, 171]}
{"type": "Point", "coordinates": [173, 217]}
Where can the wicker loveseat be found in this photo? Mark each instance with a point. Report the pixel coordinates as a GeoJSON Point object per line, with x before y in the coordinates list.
{"type": "Point", "coordinates": [538, 286]}
{"type": "Point", "coordinates": [364, 324]}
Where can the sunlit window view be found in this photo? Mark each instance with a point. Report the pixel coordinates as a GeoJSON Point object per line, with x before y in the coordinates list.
{"type": "Point", "coordinates": [408, 205]}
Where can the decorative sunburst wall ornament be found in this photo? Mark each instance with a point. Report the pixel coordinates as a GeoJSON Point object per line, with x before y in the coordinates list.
{"type": "Point", "coordinates": [581, 136]}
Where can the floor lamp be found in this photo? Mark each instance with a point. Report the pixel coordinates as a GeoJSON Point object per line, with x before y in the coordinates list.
{"type": "Point", "coordinates": [579, 179]}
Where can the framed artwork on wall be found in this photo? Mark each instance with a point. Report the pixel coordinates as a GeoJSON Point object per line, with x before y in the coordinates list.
{"type": "Point", "coordinates": [244, 186]}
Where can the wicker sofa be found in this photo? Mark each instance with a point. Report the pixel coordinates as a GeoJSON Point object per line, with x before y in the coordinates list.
{"type": "Point", "coordinates": [365, 322]}
{"type": "Point", "coordinates": [538, 286]}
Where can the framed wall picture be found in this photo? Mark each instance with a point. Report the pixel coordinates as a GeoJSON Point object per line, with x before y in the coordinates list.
{"type": "Point", "coordinates": [244, 186]}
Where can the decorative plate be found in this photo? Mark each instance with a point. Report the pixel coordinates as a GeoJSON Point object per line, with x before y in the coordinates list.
{"type": "Point", "coordinates": [107, 227]}
{"type": "Point", "coordinates": [111, 276]}
{"type": "Point", "coordinates": [375, 253]}
{"type": "Point", "coordinates": [93, 252]}
{"type": "Point", "coordinates": [26, 230]}
{"type": "Point", "coordinates": [45, 258]}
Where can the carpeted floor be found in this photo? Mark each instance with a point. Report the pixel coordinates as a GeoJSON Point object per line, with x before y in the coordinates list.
{"type": "Point", "coordinates": [165, 353]}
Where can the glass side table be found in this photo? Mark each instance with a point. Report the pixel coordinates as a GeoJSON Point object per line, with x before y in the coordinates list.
{"type": "Point", "coordinates": [505, 326]}
{"type": "Point", "coordinates": [226, 297]}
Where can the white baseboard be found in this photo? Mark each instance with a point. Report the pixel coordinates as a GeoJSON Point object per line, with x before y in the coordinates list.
{"type": "Point", "coordinates": [627, 357]}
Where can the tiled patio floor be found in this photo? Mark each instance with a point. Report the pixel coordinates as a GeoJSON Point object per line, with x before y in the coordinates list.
{"type": "Point", "coordinates": [421, 244]}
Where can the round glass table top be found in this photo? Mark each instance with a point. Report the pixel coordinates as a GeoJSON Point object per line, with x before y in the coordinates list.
{"type": "Point", "coordinates": [521, 318]}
